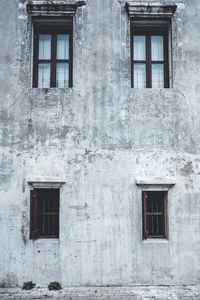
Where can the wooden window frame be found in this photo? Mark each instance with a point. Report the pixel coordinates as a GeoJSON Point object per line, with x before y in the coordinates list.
{"type": "Point", "coordinates": [46, 29]}
{"type": "Point", "coordinates": [148, 62]}
{"type": "Point", "coordinates": [36, 214]}
{"type": "Point", "coordinates": [164, 214]}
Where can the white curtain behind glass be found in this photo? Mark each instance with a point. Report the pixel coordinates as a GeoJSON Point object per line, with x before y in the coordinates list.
{"type": "Point", "coordinates": [139, 42]}
{"type": "Point", "coordinates": [157, 48]}
{"type": "Point", "coordinates": [44, 46]}
{"type": "Point", "coordinates": [62, 68]}
{"type": "Point", "coordinates": [157, 76]}
{"type": "Point", "coordinates": [62, 46]}
{"type": "Point", "coordinates": [139, 47]}
{"type": "Point", "coordinates": [139, 75]}
{"type": "Point", "coordinates": [157, 54]}
{"type": "Point", "coordinates": [62, 75]}
{"type": "Point", "coordinates": [44, 70]}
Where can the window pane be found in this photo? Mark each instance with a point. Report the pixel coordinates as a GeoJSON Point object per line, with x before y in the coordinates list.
{"type": "Point", "coordinates": [139, 47]}
{"type": "Point", "coordinates": [62, 75]}
{"type": "Point", "coordinates": [62, 46]}
{"type": "Point", "coordinates": [48, 212]}
{"type": "Point", "coordinates": [44, 75]}
{"type": "Point", "coordinates": [44, 46]}
{"type": "Point", "coordinates": [139, 75]}
{"type": "Point", "coordinates": [157, 48]}
{"type": "Point", "coordinates": [157, 76]}
{"type": "Point", "coordinates": [155, 214]}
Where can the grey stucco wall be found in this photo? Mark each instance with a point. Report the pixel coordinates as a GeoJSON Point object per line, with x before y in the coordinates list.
{"type": "Point", "coordinates": [99, 137]}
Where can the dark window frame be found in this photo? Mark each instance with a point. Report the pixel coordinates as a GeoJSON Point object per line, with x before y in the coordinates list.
{"type": "Point", "coordinates": [148, 32]}
{"type": "Point", "coordinates": [40, 215]}
{"type": "Point", "coordinates": [54, 31]}
{"type": "Point", "coordinates": [162, 232]}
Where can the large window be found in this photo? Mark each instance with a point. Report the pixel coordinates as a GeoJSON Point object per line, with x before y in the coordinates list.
{"type": "Point", "coordinates": [44, 213]}
{"type": "Point", "coordinates": [150, 59]}
{"type": "Point", "coordinates": [151, 36]}
{"type": "Point", "coordinates": [52, 65]}
{"type": "Point", "coordinates": [154, 214]}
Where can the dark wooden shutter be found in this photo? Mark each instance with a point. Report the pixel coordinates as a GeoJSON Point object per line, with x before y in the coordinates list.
{"type": "Point", "coordinates": [34, 228]}
{"type": "Point", "coordinates": [144, 200]}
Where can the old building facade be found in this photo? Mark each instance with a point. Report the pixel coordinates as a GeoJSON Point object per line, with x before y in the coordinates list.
{"type": "Point", "coordinates": [115, 139]}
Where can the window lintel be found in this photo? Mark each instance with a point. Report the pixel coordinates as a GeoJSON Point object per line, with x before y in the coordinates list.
{"type": "Point", "coordinates": [58, 8]}
{"type": "Point", "coordinates": [135, 9]}
{"type": "Point", "coordinates": [156, 185]}
{"type": "Point", "coordinates": [46, 184]}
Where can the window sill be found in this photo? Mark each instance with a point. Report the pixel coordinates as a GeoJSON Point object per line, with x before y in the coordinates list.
{"type": "Point", "coordinates": [155, 241]}
{"type": "Point", "coordinates": [47, 241]}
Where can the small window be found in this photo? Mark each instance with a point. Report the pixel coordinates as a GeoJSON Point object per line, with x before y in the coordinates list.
{"type": "Point", "coordinates": [44, 213]}
{"type": "Point", "coordinates": [154, 214]}
{"type": "Point", "coordinates": [150, 55]}
{"type": "Point", "coordinates": [52, 66]}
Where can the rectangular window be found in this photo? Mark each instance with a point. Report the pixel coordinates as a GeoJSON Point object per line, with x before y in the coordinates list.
{"type": "Point", "coordinates": [154, 214]}
{"type": "Point", "coordinates": [52, 65]}
{"type": "Point", "coordinates": [149, 56]}
{"type": "Point", "coordinates": [44, 213]}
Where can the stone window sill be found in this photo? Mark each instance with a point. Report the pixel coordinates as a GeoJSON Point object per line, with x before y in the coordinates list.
{"type": "Point", "coordinates": [47, 241]}
{"type": "Point", "coordinates": [156, 241]}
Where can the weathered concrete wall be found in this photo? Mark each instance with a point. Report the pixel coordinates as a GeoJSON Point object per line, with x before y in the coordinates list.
{"type": "Point", "coordinates": [99, 137]}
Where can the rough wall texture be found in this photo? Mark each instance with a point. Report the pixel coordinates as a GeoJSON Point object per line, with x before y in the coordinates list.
{"type": "Point", "coordinates": [99, 137]}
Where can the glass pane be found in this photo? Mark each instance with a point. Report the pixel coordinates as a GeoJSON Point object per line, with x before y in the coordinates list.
{"type": "Point", "coordinates": [139, 47]}
{"type": "Point", "coordinates": [44, 75]}
{"type": "Point", "coordinates": [62, 46]}
{"type": "Point", "coordinates": [157, 76]}
{"type": "Point", "coordinates": [62, 75]}
{"type": "Point", "coordinates": [139, 75]}
{"type": "Point", "coordinates": [157, 48]}
{"type": "Point", "coordinates": [44, 46]}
